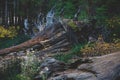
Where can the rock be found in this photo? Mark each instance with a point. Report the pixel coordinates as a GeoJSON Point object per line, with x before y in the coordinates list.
{"type": "Point", "coordinates": [50, 65]}
{"type": "Point", "coordinates": [63, 77]}
{"type": "Point", "coordinates": [75, 76]}
{"type": "Point", "coordinates": [78, 62]}
{"type": "Point", "coordinates": [21, 53]}
{"type": "Point", "coordinates": [106, 67]}
{"type": "Point", "coordinates": [53, 64]}
{"type": "Point", "coordinates": [86, 76]}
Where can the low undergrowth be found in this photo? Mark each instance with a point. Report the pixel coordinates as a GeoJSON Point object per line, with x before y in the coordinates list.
{"type": "Point", "coordinates": [7, 42]}
{"type": "Point", "coordinates": [29, 67]}
{"type": "Point", "coordinates": [24, 69]}
{"type": "Point", "coordinates": [9, 32]}
{"type": "Point", "coordinates": [75, 51]}
{"type": "Point", "coordinates": [10, 69]}
{"type": "Point", "coordinates": [100, 48]}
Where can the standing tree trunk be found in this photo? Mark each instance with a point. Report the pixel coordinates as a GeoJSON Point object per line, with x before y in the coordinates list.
{"type": "Point", "coordinates": [6, 13]}
{"type": "Point", "coordinates": [91, 8]}
{"type": "Point", "coordinates": [0, 12]}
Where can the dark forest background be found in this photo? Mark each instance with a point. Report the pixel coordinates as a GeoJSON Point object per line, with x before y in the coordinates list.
{"type": "Point", "coordinates": [13, 13]}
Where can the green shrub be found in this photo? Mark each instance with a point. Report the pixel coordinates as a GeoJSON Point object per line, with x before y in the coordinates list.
{"type": "Point", "coordinates": [63, 57]}
{"type": "Point", "coordinates": [10, 32]}
{"type": "Point", "coordinates": [29, 66]}
{"type": "Point", "coordinates": [73, 25]}
{"type": "Point", "coordinates": [67, 56]}
{"type": "Point", "coordinates": [100, 48]}
{"type": "Point", "coordinates": [113, 25]}
{"type": "Point", "coordinates": [7, 42]}
{"type": "Point", "coordinates": [11, 70]}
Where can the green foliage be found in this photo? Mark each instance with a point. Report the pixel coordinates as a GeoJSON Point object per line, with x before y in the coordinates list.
{"type": "Point", "coordinates": [7, 42]}
{"type": "Point", "coordinates": [69, 55]}
{"type": "Point", "coordinates": [23, 68]}
{"type": "Point", "coordinates": [69, 7]}
{"type": "Point", "coordinates": [63, 57]}
{"type": "Point", "coordinates": [20, 77]}
{"type": "Point", "coordinates": [8, 33]}
{"type": "Point", "coordinates": [73, 25]}
{"type": "Point", "coordinates": [103, 8]}
{"type": "Point", "coordinates": [101, 14]}
{"type": "Point", "coordinates": [113, 24]}
{"type": "Point", "coordinates": [29, 67]}
{"type": "Point", "coordinates": [9, 37]}
{"type": "Point", "coordinates": [76, 49]}
{"type": "Point", "coordinates": [11, 72]}
{"type": "Point", "coordinates": [112, 6]}
{"type": "Point", "coordinates": [83, 15]}
{"type": "Point", "coordinates": [100, 48]}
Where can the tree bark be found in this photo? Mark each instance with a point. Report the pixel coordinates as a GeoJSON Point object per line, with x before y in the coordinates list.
{"type": "Point", "coordinates": [50, 37]}
{"type": "Point", "coordinates": [22, 46]}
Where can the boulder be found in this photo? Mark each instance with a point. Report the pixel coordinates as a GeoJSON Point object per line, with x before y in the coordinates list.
{"type": "Point", "coordinates": [106, 67]}
{"type": "Point", "coordinates": [75, 76]}
{"type": "Point", "coordinates": [49, 66]}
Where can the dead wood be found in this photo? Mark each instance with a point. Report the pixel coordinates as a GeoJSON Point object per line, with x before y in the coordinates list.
{"type": "Point", "coordinates": [48, 37]}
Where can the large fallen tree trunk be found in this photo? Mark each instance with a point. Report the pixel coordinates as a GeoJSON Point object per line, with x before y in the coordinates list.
{"type": "Point", "coordinates": [22, 46]}
{"type": "Point", "coordinates": [48, 37]}
{"type": "Point", "coordinates": [53, 34]}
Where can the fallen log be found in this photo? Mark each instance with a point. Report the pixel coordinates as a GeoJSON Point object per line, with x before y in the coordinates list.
{"type": "Point", "coordinates": [47, 37]}
{"type": "Point", "coordinates": [50, 36]}
{"type": "Point", "coordinates": [51, 49]}
{"type": "Point", "coordinates": [22, 46]}
{"type": "Point", "coordinates": [45, 34]}
{"type": "Point", "coordinates": [53, 40]}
